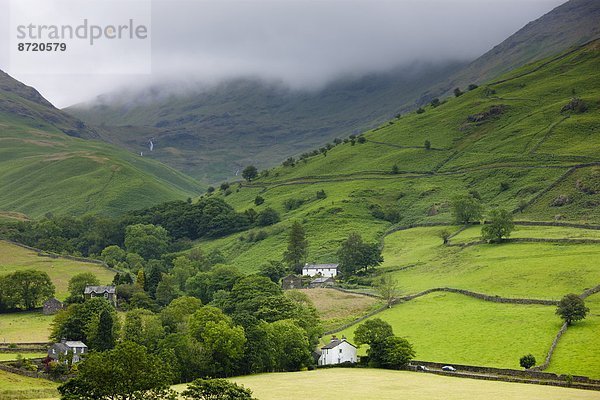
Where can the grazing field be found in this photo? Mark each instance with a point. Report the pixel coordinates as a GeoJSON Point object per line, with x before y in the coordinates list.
{"type": "Point", "coordinates": [15, 258]}
{"type": "Point", "coordinates": [578, 351]}
{"type": "Point", "coordinates": [25, 327]}
{"type": "Point", "coordinates": [337, 308]}
{"type": "Point", "coordinates": [529, 270]}
{"type": "Point", "coordinates": [17, 387]}
{"type": "Point", "coordinates": [452, 328]}
{"type": "Point", "coordinates": [360, 384]}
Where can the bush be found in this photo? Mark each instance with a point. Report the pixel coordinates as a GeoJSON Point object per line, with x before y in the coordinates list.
{"type": "Point", "coordinates": [258, 200]}
{"type": "Point", "coordinates": [420, 110]}
{"type": "Point", "coordinates": [576, 105]}
{"type": "Point", "coordinates": [321, 194]}
{"type": "Point", "coordinates": [458, 92]}
{"type": "Point", "coordinates": [290, 162]}
{"type": "Point", "coordinates": [472, 86]}
{"type": "Point", "coordinates": [395, 169]}
{"type": "Point", "coordinates": [292, 204]}
{"type": "Point", "coordinates": [435, 102]}
{"type": "Point", "coordinates": [527, 361]}
{"type": "Point", "coordinates": [361, 139]}
{"type": "Point", "coordinates": [504, 186]}
{"type": "Point", "coordinates": [216, 389]}
{"type": "Point", "coordinates": [210, 189]}
{"type": "Point", "coordinates": [427, 145]}
{"type": "Point", "coordinates": [224, 186]}
{"type": "Point", "coordinates": [267, 217]}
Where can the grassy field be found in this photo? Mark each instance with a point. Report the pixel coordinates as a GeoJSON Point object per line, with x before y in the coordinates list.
{"type": "Point", "coordinates": [452, 328]}
{"type": "Point", "coordinates": [359, 384]}
{"type": "Point", "coordinates": [530, 270]}
{"type": "Point", "coordinates": [17, 387]}
{"type": "Point", "coordinates": [337, 308]}
{"type": "Point", "coordinates": [579, 349]}
{"type": "Point", "coordinates": [14, 258]}
{"type": "Point", "coordinates": [25, 327]}
{"type": "Point", "coordinates": [13, 356]}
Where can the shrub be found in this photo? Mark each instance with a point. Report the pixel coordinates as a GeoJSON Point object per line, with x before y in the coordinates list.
{"type": "Point", "coordinates": [210, 189]}
{"type": "Point", "coordinates": [527, 361]}
{"type": "Point", "coordinates": [458, 92]}
{"type": "Point", "coordinates": [292, 204]}
{"type": "Point", "coordinates": [572, 308]}
{"type": "Point", "coordinates": [216, 389]}
{"type": "Point", "coordinates": [420, 110]}
{"type": "Point", "coordinates": [576, 105]}
{"type": "Point", "coordinates": [321, 194]}
{"type": "Point", "coordinates": [290, 162]}
{"type": "Point", "coordinates": [395, 169]}
{"type": "Point", "coordinates": [267, 217]}
{"type": "Point", "coordinates": [472, 86]}
{"type": "Point", "coordinates": [427, 145]}
{"type": "Point", "coordinates": [258, 200]}
{"type": "Point", "coordinates": [361, 139]}
{"type": "Point", "coordinates": [435, 102]}
{"type": "Point", "coordinates": [504, 186]}
{"type": "Point", "coordinates": [224, 186]}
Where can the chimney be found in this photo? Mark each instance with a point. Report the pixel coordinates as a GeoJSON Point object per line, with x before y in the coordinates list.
{"type": "Point", "coordinates": [334, 338]}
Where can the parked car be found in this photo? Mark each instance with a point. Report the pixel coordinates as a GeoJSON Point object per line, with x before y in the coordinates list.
{"type": "Point", "coordinates": [448, 368]}
{"type": "Point", "coordinates": [422, 368]}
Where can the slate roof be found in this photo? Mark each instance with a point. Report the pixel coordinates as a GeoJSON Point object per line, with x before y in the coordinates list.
{"type": "Point", "coordinates": [335, 343]}
{"type": "Point", "coordinates": [99, 289]}
{"type": "Point", "coordinates": [321, 266]}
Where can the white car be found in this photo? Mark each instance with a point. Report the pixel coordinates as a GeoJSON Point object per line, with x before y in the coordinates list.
{"type": "Point", "coordinates": [422, 368]}
{"type": "Point", "coordinates": [448, 368]}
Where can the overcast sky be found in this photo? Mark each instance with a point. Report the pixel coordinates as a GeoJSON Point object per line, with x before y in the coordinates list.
{"type": "Point", "coordinates": [305, 44]}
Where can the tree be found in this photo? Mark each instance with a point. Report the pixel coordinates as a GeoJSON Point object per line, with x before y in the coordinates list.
{"type": "Point", "coordinates": [387, 287]}
{"type": "Point", "coordinates": [297, 250]}
{"type": "Point", "coordinates": [147, 240]}
{"type": "Point", "coordinates": [371, 331]}
{"type": "Point", "coordinates": [28, 289]}
{"type": "Point", "coordinates": [80, 321]}
{"type": "Point", "coordinates": [289, 345]}
{"type": "Point", "coordinates": [355, 255]}
{"type": "Point", "coordinates": [167, 290]}
{"type": "Point", "coordinates": [445, 235]}
{"type": "Point", "coordinates": [267, 217]}
{"type": "Point", "coordinates": [572, 308]}
{"type": "Point", "coordinates": [126, 372]}
{"type": "Point", "coordinates": [258, 200]}
{"type": "Point", "coordinates": [216, 389]}
{"type": "Point", "coordinates": [77, 286]}
{"type": "Point", "coordinates": [427, 145]}
{"type": "Point", "coordinates": [457, 92]}
{"type": "Point", "coordinates": [175, 316]}
{"type": "Point", "coordinates": [395, 169]}
{"type": "Point", "coordinates": [435, 102]}
{"type": "Point", "coordinates": [141, 279]}
{"type": "Point", "coordinates": [500, 226]}
{"type": "Point", "coordinates": [527, 361]}
{"type": "Point", "coordinates": [466, 209]}
{"type": "Point", "coordinates": [274, 270]}
{"type": "Point", "coordinates": [102, 333]}
{"type": "Point", "coordinates": [249, 173]}
{"type": "Point", "coordinates": [396, 353]}
{"type": "Point", "coordinates": [112, 255]}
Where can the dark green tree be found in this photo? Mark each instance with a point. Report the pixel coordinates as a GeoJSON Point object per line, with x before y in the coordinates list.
{"type": "Point", "coordinates": [572, 308]}
{"type": "Point", "coordinates": [297, 250]}
{"type": "Point", "coordinates": [249, 173]}
{"type": "Point", "coordinates": [27, 289]}
{"type": "Point", "coordinates": [267, 217]}
{"type": "Point", "coordinates": [371, 331]}
{"type": "Point", "coordinates": [355, 255]}
{"type": "Point", "coordinates": [126, 372]}
{"type": "Point", "coordinates": [147, 240]}
{"type": "Point", "coordinates": [427, 145]}
{"type": "Point", "coordinates": [103, 334]}
{"type": "Point", "coordinates": [396, 353]}
{"type": "Point", "coordinates": [77, 286]}
{"type": "Point", "coordinates": [527, 361]}
{"type": "Point", "coordinates": [500, 226]}
{"type": "Point", "coordinates": [274, 270]}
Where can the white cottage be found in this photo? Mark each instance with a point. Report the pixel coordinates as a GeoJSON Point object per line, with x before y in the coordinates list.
{"type": "Point", "coordinates": [326, 270]}
{"type": "Point", "coordinates": [338, 351]}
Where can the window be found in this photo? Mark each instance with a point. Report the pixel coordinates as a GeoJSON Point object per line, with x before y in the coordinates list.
{"type": "Point", "coordinates": [53, 351]}
{"type": "Point", "coordinates": [340, 351]}
{"type": "Point", "coordinates": [106, 295]}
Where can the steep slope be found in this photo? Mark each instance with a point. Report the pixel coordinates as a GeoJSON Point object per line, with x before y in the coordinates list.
{"type": "Point", "coordinates": [508, 143]}
{"type": "Point", "coordinates": [572, 23]}
{"type": "Point", "coordinates": [43, 168]}
{"type": "Point", "coordinates": [211, 133]}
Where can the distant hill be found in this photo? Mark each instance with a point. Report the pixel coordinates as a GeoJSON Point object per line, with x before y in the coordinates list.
{"type": "Point", "coordinates": [212, 134]}
{"type": "Point", "coordinates": [45, 167]}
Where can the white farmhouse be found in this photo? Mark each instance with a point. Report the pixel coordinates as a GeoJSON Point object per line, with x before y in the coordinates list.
{"type": "Point", "coordinates": [337, 351]}
{"type": "Point", "coordinates": [326, 270]}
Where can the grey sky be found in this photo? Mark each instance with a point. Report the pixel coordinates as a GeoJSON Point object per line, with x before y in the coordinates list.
{"type": "Point", "coordinates": [302, 43]}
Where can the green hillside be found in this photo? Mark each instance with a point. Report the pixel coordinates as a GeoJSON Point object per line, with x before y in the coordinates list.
{"type": "Point", "coordinates": [507, 142]}
{"type": "Point", "coordinates": [530, 155]}
{"type": "Point", "coordinates": [44, 168]}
